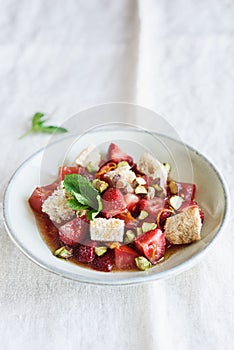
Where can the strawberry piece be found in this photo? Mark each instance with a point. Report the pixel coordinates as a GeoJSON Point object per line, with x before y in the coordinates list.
{"type": "Point", "coordinates": [152, 207]}
{"type": "Point", "coordinates": [162, 217]}
{"type": "Point", "coordinates": [67, 170]}
{"type": "Point", "coordinates": [129, 221]}
{"type": "Point", "coordinates": [113, 202]}
{"type": "Point", "coordinates": [85, 253]}
{"type": "Point", "coordinates": [131, 201]}
{"type": "Point", "coordinates": [105, 168]}
{"type": "Point", "coordinates": [117, 155]}
{"type": "Point", "coordinates": [186, 190]}
{"type": "Point", "coordinates": [104, 262]}
{"type": "Point", "coordinates": [125, 257]}
{"type": "Point", "coordinates": [39, 195]}
{"type": "Point", "coordinates": [151, 244]}
{"type": "Point", "coordinates": [73, 232]}
{"type": "Point", "coordinates": [193, 204]}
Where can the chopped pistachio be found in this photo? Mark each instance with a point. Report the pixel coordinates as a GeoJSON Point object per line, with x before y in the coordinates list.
{"type": "Point", "coordinates": [63, 252]}
{"type": "Point", "coordinates": [143, 215]}
{"type": "Point", "coordinates": [123, 164]}
{"type": "Point", "coordinates": [140, 190]}
{"type": "Point", "coordinates": [139, 231]}
{"type": "Point", "coordinates": [99, 251]}
{"type": "Point", "coordinates": [114, 245]}
{"type": "Point", "coordinates": [176, 202]}
{"type": "Point", "coordinates": [129, 237]}
{"type": "Point", "coordinates": [90, 167]}
{"type": "Point", "coordinates": [148, 226]}
{"type": "Point", "coordinates": [173, 187]}
{"type": "Point", "coordinates": [142, 263]}
{"type": "Point", "coordinates": [167, 166]}
{"type": "Point", "coordinates": [100, 185]}
{"type": "Point", "coordinates": [140, 180]}
{"type": "Point", "coordinates": [61, 185]}
{"type": "Point", "coordinates": [151, 192]}
{"type": "Point", "coordinates": [158, 190]}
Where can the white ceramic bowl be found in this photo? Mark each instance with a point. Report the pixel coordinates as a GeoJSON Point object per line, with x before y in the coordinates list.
{"type": "Point", "coordinates": [187, 165]}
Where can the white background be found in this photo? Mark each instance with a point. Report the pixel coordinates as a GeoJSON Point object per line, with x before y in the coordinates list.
{"type": "Point", "coordinates": [175, 57]}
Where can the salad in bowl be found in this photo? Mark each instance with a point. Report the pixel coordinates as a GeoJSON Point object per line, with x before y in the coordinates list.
{"type": "Point", "coordinates": [110, 213]}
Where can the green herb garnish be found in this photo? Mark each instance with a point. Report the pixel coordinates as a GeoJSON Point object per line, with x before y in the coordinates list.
{"type": "Point", "coordinates": [84, 195]}
{"type": "Point", "coordinates": [38, 122]}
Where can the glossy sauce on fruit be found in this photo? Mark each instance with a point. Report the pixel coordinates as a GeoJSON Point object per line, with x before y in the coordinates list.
{"type": "Point", "coordinates": [76, 225]}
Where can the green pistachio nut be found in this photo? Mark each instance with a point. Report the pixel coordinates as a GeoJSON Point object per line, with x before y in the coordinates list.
{"type": "Point", "coordinates": [143, 215]}
{"type": "Point", "coordinates": [142, 263]}
{"type": "Point", "coordinates": [63, 252]}
{"type": "Point", "coordinates": [99, 251]}
{"type": "Point", "coordinates": [100, 185]}
{"type": "Point", "coordinates": [129, 237]}
{"type": "Point", "coordinates": [148, 226]}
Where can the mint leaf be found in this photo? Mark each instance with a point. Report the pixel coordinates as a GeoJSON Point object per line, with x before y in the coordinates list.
{"type": "Point", "coordinates": [84, 194]}
{"type": "Point", "coordinates": [52, 129]}
{"type": "Point", "coordinates": [91, 214]}
{"type": "Point", "coordinates": [89, 192]}
{"type": "Point", "coordinates": [71, 183]}
{"type": "Point", "coordinates": [75, 205]}
{"type": "Point", "coordinates": [38, 122]}
{"type": "Point", "coordinates": [81, 199]}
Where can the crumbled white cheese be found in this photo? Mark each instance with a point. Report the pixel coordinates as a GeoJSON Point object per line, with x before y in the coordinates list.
{"type": "Point", "coordinates": [154, 169]}
{"type": "Point", "coordinates": [102, 229]}
{"type": "Point", "coordinates": [90, 156]}
{"type": "Point", "coordinates": [124, 173]}
{"type": "Point", "coordinates": [56, 207]}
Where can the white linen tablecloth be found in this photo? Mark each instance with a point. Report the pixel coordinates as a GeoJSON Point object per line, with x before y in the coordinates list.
{"type": "Point", "coordinates": [175, 57]}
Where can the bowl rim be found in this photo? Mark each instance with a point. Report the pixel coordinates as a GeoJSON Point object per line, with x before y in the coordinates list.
{"type": "Point", "coordinates": [142, 279]}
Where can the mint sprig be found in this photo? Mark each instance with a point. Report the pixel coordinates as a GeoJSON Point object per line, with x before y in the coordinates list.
{"type": "Point", "coordinates": [84, 195]}
{"type": "Point", "coordinates": [38, 122]}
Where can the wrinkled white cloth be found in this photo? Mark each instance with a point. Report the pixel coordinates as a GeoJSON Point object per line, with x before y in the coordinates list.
{"type": "Point", "coordinates": [174, 57]}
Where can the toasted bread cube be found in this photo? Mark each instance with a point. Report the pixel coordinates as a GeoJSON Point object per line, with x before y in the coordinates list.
{"type": "Point", "coordinates": [108, 230]}
{"type": "Point", "coordinates": [184, 227]}
{"type": "Point", "coordinates": [153, 168]}
{"type": "Point", "coordinates": [56, 207]}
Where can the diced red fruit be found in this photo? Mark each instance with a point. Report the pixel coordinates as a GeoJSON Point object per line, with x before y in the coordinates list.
{"type": "Point", "coordinates": [113, 202]}
{"type": "Point", "coordinates": [186, 190]}
{"type": "Point", "coordinates": [39, 195]}
{"type": "Point", "coordinates": [125, 257]}
{"type": "Point", "coordinates": [191, 204]}
{"type": "Point", "coordinates": [162, 217]}
{"type": "Point", "coordinates": [152, 207]}
{"type": "Point", "coordinates": [67, 170]}
{"type": "Point", "coordinates": [105, 168]}
{"type": "Point", "coordinates": [104, 262]}
{"type": "Point", "coordinates": [85, 253]}
{"type": "Point", "coordinates": [202, 215]}
{"type": "Point", "coordinates": [73, 232]}
{"type": "Point", "coordinates": [151, 244]}
{"type": "Point", "coordinates": [131, 201]}
{"type": "Point", "coordinates": [117, 155]}
{"type": "Point", "coordinates": [186, 204]}
{"type": "Point", "coordinates": [129, 221]}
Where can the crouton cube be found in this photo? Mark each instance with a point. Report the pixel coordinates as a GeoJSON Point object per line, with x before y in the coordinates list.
{"type": "Point", "coordinates": [102, 229]}
{"type": "Point", "coordinates": [184, 227]}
